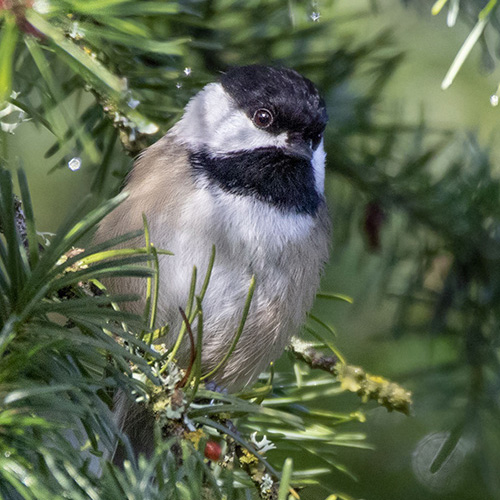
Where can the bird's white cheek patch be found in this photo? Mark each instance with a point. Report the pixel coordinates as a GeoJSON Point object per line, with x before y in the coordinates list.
{"type": "Point", "coordinates": [213, 121]}
{"type": "Point", "coordinates": [239, 133]}
{"type": "Point", "coordinates": [318, 164]}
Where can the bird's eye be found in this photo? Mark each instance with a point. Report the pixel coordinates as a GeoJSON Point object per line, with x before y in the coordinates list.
{"type": "Point", "coordinates": [315, 140]}
{"type": "Point", "coordinates": [263, 118]}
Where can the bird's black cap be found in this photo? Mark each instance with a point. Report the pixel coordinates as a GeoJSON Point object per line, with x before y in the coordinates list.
{"type": "Point", "coordinates": [293, 99]}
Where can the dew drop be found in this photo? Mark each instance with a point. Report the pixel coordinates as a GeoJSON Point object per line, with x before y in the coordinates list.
{"type": "Point", "coordinates": [494, 100]}
{"type": "Point", "coordinates": [178, 85]}
{"type": "Point", "coordinates": [7, 454]}
{"type": "Point", "coordinates": [41, 6]}
{"type": "Point", "coordinates": [315, 16]}
{"type": "Point", "coordinates": [187, 71]}
{"type": "Point", "coordinates": [75, 163]}
{"type": "Point", "coordinates": [450, 472]}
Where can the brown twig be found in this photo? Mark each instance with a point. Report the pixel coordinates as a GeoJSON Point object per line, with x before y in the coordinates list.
{"type": "Point", "coordinates": [353, 378]}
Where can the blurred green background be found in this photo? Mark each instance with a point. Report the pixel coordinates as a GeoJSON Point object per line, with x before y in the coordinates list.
{"type": "Point", "coordinates": [422, 361]}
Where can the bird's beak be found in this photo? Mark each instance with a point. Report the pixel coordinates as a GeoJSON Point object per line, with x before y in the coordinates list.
{"type": "Point", "coordinates": [299, 147]}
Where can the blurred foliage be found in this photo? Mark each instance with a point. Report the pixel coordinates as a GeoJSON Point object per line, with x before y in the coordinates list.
{"type": "Point", "coordinates": [108, 77]}
{"type": "Point", "coordinates": [479, 14]}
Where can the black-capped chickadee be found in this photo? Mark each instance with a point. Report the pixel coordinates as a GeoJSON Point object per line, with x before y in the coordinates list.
{"type": "Point", "coordinates": [242, 170]}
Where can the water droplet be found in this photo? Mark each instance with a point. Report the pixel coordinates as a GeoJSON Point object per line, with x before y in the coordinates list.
{"type": "Point", "coordinates": [178, 85]}
{"type": "Point", "coordinates": [315, 16]}
{"type": "Point", "coordinates": [7, 454]}
{"type": "Point", "coordinates": [494, 100]}
{"type": "Point", "coordinates": [449, 474]}
{"type": "Point", "coordinates": [41, 6]}
{"type": "Point", "coordinates": [187, 71]}
{"type": "Point", "coordinates": [75, 163]}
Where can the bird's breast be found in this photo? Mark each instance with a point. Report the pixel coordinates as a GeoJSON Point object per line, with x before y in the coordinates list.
{"type": "Point", "coordinates": [251, 238]}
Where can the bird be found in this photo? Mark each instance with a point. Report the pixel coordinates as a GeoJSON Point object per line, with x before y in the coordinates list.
{"type": "Point", "coordinates": [243, 171]}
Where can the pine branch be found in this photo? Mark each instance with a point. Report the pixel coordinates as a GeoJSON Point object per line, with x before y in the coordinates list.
{"type": "Point", "coordinates": [353, 378]}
